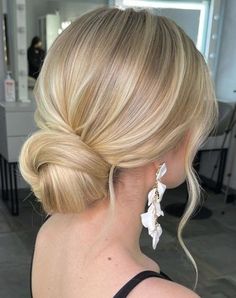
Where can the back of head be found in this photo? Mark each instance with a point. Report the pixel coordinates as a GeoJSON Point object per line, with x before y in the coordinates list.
{"type": "Point", "coordinates": [118, 89]}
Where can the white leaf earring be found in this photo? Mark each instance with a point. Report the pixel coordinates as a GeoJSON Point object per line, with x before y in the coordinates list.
{"type": "Point", "coordinates": [149, 219]}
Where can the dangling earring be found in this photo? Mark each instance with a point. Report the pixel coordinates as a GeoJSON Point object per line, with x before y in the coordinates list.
{"type": "Point", "coordinates": [149, 219]}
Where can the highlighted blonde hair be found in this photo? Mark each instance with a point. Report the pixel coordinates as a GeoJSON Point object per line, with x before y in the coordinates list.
{"type": "Point", "coordinates": [118, 89]}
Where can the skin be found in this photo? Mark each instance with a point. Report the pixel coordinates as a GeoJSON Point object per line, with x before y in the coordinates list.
{"type": "Point", "coordinates": [38, 45]}
{"type": "Point", "coordinates": [80, 261]}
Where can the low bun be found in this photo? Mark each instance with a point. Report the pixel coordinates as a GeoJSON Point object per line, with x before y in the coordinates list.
{"type": "Point", "coordinates": [65, 174]}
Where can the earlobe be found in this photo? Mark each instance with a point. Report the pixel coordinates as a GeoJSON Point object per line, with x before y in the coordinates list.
{"type": "Point", "coordinates": [158, 163]}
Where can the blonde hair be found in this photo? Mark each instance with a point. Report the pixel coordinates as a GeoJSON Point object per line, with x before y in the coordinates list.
{"type": "Point", "coordinates": [118, 89]}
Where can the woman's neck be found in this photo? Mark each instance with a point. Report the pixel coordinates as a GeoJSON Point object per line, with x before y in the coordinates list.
{"type": "Point", "coordinates": [123, 228]}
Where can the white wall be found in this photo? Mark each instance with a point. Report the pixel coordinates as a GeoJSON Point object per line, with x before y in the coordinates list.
{"type": "Point", "coordinates": [11, 23]}
{"type": "Point", "coordinates": [186, 19]}
{"type": "Point", "coordinates": [34, 10]}
{"type": "Point", "coordinates": [68, 10]}
{"type": "Point", "coordinates": [226, 72]}
{"type": "Point", "coordinates": [225, 84]}
{"type": "Point", "coordinates": [2, 62]}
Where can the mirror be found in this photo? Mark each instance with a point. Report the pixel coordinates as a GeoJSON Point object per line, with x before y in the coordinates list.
{"type": "Point", "coordinates": [26, 19]}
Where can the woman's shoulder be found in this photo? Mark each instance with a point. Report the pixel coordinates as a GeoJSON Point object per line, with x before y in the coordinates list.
{"type": "Point", "coordinates": [158, 287]}
{"type": "Point", "coordinates": [49, 231]}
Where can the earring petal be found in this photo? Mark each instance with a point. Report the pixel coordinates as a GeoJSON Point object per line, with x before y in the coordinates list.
{"type": "Point", "coordinates": [159, 212]}
{"type": "Point", "coordinates": [156, 236]}
{"type": "Point", "coordinates": [145, 219]}
{"type": "Point", "coordinates": [149, 218]}
{"type": "Point", "coordinates": [151, 196]}
{"type": "Point", "coordinates": [161, 189]}
{"type": "Point", "coordinates": [161, 171]}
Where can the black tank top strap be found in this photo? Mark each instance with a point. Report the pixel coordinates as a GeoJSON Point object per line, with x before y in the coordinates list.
{"type": "Point", "coordinates": [128, 287]}
{"type": "Point", "coordinates": [163, 275]}
{"type": "Point", "coordinates": [47, 217]}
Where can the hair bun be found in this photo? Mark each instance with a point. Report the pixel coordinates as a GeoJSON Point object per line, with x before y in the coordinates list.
{"type": "Point", "coordinates": [62, 169]}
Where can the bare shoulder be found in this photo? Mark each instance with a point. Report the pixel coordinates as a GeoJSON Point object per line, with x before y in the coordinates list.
{"type": "Point", "coordinates": [157, 287]}
{"type": "Point", "coordinates": [53, 230]}
{"type": "Point", "coordinates": [42, 240]}
{"type": "Point", "coordinates": [47, 233]}
{"type": "Point", "coordinates": [49, 227]}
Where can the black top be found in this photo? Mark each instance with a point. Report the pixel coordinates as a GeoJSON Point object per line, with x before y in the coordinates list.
{"type": "Point", "coordinates": [128, 287]}
{"type": "Point", "coordinates": [35, 61]}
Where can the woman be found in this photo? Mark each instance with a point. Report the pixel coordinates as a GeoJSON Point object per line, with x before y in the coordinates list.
{"type": "Point", "coordinates": [124, 100]}
{"type": "Point", "coordinates": [35, 56]}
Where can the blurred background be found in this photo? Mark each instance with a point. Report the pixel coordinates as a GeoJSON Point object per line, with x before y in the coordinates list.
{"type": "Point", "coordinates": [27, 30]}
